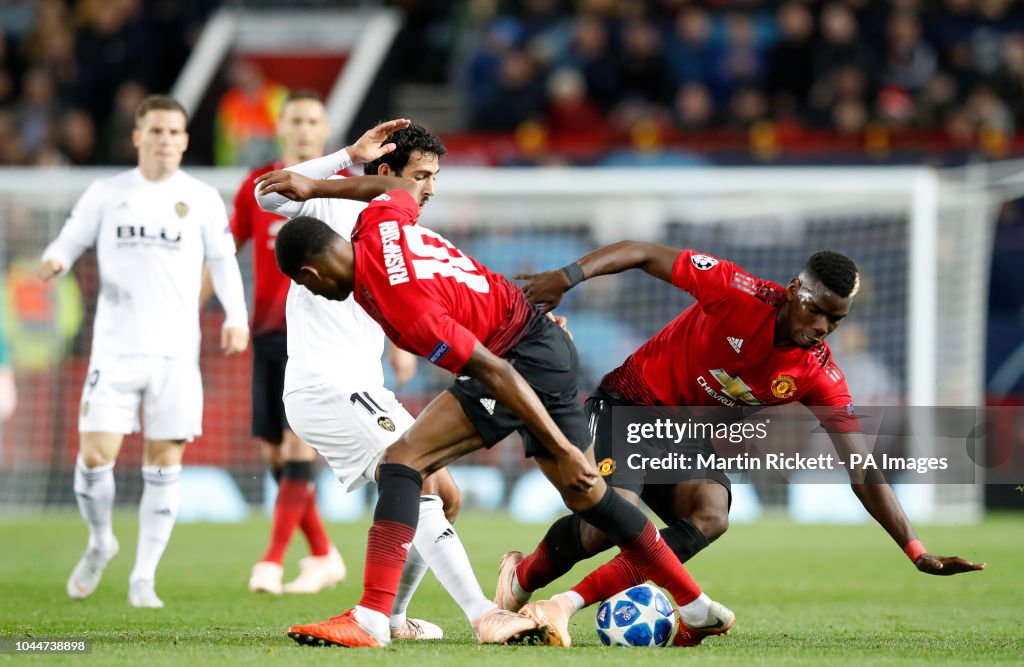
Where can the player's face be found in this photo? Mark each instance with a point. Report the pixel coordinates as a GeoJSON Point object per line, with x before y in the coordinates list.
{"type": "Point", "coordinates": [320, 282]}
{"type": "Point", "coordinates": [161, 140]}
{"type": "Point", "coordinates": [813, 312]}
{"type": "Point", "coordinates": [423, 168]}
{"type": "Point", "coordinates": [303, 129]}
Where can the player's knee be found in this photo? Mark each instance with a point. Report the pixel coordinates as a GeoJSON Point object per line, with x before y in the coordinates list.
{"type": "Point", "coordinates": [403, 456]}
{"type": "Point", "coordinates": [712, 523]}
{"type": "Point", "coordinates": [593, 540]}
{"type": "Point", "coordinates": [94, 458]}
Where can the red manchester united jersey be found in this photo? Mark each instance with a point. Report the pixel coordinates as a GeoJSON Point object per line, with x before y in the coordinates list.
{"type": "Point", "coordinates": [720, 350]}
{"type": "Point", "coordinates": [249, 221]}
{"type": "Point", "coordinates": [429, 298]}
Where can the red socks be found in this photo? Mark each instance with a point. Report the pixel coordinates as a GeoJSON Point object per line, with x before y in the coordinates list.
{"type": "Point", "coordinates": [313, 528]}
{"type": "Point", "coordinates": [294, 496]}
{"type": "Point", "coordinates": [535, 571]}
{"type": "Point", "coordinates": [646, 558]}
{"type": "Point", "coordinates": [386, 550]}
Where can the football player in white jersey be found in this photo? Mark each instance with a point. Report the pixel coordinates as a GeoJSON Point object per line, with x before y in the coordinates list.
{"type": "Point", "coordinates": [335, 397]}
{"type": "Point", "coordinates": [153, 227]}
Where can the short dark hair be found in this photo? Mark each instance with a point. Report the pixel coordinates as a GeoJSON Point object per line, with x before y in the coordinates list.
{"type": "Point", "coordinates": [302, 94]}
{"type": "Point", "coordinates": [836, 272]}
{"type": "Point", "coordinates": [158, 103]}
{"type": "Point", "coordinates": [408, 141]}
{"type": "Point", "coordinates": [300, 240]}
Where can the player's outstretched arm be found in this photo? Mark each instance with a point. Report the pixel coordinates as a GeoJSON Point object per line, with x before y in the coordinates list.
{"type": "Point", "coordinates": [881, 502]}
{"type": "Point", "coordinates": [510, 389]}
{"type": "Point", "coordinates": [296, 187]}
{"type": "Point", "coordinates": [369, 147]}
{"type": "Point", "coordinates": [547, 289]}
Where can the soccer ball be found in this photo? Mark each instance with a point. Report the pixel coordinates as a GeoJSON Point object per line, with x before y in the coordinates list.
{"type": "Point", "coordinates": [638, 616]}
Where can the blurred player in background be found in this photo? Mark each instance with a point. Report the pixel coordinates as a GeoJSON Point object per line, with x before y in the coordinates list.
{"type": "Point", "coordinates": [336, 398]}
{"type": "Point", "coordinates": [515, 371]}
{"type": "Point", "coordinates": [767, 346]}
{"type": "Point", "coordinates": [152, 227]}
{"type": "Point", "coordinates": [302, 128]}
{"type": "Point", "coordinates": [8, 390]}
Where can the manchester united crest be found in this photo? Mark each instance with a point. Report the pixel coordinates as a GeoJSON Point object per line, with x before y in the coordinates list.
{"type": "Point", "coordinates": [386, 423]}
{"type": "Point", "coordinates": [783, 386]}
{"type": "Point", "coordinates": [181, 208]}
{"type": "Point", "coordinates": [606, 467]}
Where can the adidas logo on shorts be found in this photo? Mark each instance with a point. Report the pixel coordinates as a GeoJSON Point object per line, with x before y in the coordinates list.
{"type": "Point", "coordinates": [488, 404]}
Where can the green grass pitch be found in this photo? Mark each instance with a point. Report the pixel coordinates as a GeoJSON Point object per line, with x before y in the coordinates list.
{"type": "Point", "coordinates": [807, 595]}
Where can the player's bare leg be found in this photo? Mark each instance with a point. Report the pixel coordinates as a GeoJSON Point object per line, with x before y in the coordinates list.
{"type": "Point", "coordinates": [158, 510]}
{"type": "Point", "coordinates": [440, 435]}
{"type": "Point", "coordinates": [94, 492]}
{"type": "Point", "coordinates": [324, 567]}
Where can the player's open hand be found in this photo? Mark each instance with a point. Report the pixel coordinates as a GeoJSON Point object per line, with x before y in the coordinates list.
{"type": "Point", "coordinates": [233, 340]}
{"type": "Point", "coordinates": [575, 471]}
{"type": "Point", "coordinates": [545, 289]}
{"type": "Point", "coordinates": [49, 269]}
{"type": "Point", "coordinates": [945, 566]}
{"type": "Point", "coordinates": [371, 145]}
{"type": "Point", "coordinates": [288, 184]}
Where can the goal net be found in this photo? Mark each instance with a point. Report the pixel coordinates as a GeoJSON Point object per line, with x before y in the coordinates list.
{"type": "Point", "coordinates": [914, 336]}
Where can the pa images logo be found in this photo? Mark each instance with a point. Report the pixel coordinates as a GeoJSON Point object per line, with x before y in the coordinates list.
{"type": "Point", "coordinates": [386, 423]}
{"type": "Point", "coordinates": [606, 467]}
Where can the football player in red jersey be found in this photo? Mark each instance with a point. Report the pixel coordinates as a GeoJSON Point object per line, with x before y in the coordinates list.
{"type": "Point", "coordinates": [516, 371]}
{"type": "Point", "coordinates": [745, 342]}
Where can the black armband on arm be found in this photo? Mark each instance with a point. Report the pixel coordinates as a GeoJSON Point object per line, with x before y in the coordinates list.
{"type": "Point", "coordinates": [574, 272]}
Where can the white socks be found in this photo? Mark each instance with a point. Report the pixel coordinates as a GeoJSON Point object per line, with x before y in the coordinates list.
{"type": "Point", "coordinates": [158, 509]}
{"type": "Point", "coordinates": [94, 491]}
{"type": "Point", "coordinates": [574, 598]}
{"type": "Point", "coordinates": [518, 592]}
{"type": "Point", "coordinates": [412, 575]}
{"type": "Point", "coordinates": [695, 614]}
{"type": "Point", "coordinates": [440, 547]}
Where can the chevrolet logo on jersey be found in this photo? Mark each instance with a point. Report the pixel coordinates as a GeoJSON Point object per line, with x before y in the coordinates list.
{"type": "Point", "coordinates": [735, 387]}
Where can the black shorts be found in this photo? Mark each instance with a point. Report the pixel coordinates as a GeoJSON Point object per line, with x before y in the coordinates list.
{"type": "Point", "coordinates": [612, 456]}
{"type": "Point", "coordinates": [269, 357]}
{"type": "Point", "coordinates": [547, 360]}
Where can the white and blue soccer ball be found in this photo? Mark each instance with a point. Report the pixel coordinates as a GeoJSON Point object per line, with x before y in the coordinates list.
{"type": "Point", "coordinates": [638, 616]}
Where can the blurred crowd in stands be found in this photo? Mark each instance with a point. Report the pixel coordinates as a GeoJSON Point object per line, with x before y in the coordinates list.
{"type": "Point", "coordinates": [951, 71]}
{"type": "Point", "coordinates": [72, 73]}
{"type": "Point", "coordinates": [839, 64]}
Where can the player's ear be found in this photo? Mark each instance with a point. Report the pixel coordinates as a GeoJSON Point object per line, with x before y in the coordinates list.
{"type": "Point", "coordinates": [309, 272]}
{"type": "Point", "coordinates": [792, 289]}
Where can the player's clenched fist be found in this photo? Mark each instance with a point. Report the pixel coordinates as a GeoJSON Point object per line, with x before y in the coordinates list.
{"type": "Point", "coordinates": [49, 269]}
{"type": "Point", "coordinates": [545, 289]}
{"type": "Point", "coordinates": [233, 340]}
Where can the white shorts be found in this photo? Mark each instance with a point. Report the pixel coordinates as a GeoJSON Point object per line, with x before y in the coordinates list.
{"type": "Point", "coordinates": [170, 392]}
{"type": "Point", "coordinates": [350, 428]}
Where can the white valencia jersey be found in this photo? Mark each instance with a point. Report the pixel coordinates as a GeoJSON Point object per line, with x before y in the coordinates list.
{"type": "Point", "coordinates": [331, 341]}
{"type": "Point", "coordinates": [151, 240]}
